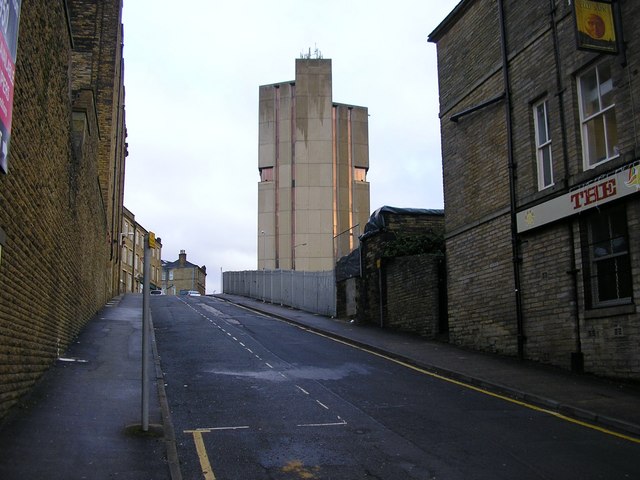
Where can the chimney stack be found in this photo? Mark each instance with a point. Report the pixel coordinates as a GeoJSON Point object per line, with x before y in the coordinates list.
{"type": "Point", "coordinates": [183, 258]}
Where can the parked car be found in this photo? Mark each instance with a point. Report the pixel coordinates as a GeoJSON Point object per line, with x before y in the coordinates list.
{"type": "Point", "coordinates": [156, 292]}
{"type": "Point", "coordinates": [193, 293]}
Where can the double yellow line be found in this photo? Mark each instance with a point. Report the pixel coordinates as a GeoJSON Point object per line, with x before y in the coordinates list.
{"type": "Point", "coordinates": [483, 391]}
{"type": "Point", "coordinates": [530, 406]}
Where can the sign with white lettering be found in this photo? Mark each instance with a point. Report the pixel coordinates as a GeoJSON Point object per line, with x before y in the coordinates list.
{"type": "Point", "coordinates": [620, 184]}
{"type": "Point", "coordinates": [9, 21]}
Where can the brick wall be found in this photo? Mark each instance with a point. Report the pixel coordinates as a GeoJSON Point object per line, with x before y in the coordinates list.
{"type": "Point", "coordinates": [548, 295]}
{"type": "Point", "coordinates": [53, 270]}
{"type": "Point", "coordinates": [408, 286]}
{"type": "Point", "coordinates": [411, 302]}
{"type": "Point", "coordinates": [480, 288]}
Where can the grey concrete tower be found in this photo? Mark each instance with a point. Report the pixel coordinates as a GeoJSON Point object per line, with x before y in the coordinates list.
{"type": "Point", "coordinates": [313, 196]}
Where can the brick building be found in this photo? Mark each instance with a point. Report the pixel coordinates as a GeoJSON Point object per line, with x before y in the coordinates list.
{"type": "Point", "coordinates": [132, 256]}
{"type": "Point", "coordinates": [539, 124]}
{"type": "Point", "coordinates": [61, 193]}
{"type": "Point", "coordinates": [181, 276]}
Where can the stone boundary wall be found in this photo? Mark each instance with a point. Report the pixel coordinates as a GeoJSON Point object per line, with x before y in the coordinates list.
{"type": "Point", "coordinates": [412, 294]}
{"type": "Point", "coordinates": [53, 223]}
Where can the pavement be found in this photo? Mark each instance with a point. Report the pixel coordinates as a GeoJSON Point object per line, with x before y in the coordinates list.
{"type": "Point", "coordinates": [83, 418]}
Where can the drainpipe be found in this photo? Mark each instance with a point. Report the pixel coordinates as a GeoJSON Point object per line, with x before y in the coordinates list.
{"type": "Point", "coordinates": [515, 247]}
{"type": "Point", "coordinates": [577, 357]}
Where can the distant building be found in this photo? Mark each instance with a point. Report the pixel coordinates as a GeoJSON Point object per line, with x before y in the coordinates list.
{"type": "Point", "coordinates": [542, 181]}
{"type": "Point", "coordinates": [132, 256]}
{"type": "Point", "coordinates": [313, 195]}
{"type": "Point", "coordinates": [180, 276]}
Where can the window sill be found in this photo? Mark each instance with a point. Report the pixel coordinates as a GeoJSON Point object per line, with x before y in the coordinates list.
{"type": "Point", "coordinates": [542, 195]}
{"type": "Point", "coordinates": [627, 309]}
{"type": "Point", "coordinates": [603, 168]}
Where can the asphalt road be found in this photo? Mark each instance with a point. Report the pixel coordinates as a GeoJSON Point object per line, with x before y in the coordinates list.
{"type": "Point", "coordinates": [255, 398]}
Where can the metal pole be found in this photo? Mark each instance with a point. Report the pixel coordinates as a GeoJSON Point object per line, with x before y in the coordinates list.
{"type": "Point", "coordinates": [145, 334]}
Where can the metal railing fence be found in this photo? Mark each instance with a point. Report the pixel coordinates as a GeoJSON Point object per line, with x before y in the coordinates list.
{"type": "Point", "coordinates": [313, 292]}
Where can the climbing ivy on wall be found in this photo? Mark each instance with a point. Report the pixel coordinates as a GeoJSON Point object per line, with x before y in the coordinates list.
{"type": "Point", "coordinates": [403, 245]}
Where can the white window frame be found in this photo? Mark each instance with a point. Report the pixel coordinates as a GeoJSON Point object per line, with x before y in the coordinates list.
{"type": "Point", "coordinates": [604, 114]}
{"type": "Point", "coordinates": [543, 145]}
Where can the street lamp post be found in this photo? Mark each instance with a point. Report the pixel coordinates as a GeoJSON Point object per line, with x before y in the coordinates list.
{"type": "Point", "coordinates": [293, 259]}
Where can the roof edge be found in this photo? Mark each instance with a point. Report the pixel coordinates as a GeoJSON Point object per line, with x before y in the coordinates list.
{"type": "Point", "coordinates": [449, 20]}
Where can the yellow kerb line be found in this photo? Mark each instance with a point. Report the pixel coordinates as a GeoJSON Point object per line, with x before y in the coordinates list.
{"type": "Point", "coordinates": [205, 465]}
{"type": "Point", "coordinates": [462, 384]}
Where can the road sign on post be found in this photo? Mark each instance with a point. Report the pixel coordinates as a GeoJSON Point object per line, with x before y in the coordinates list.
{"type": "Point", "coordinates": [145, 332]}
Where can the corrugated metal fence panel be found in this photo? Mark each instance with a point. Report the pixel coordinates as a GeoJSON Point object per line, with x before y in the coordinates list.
{"type": "Point", "coordinates": [296, 290]}
{"type": "Point", "coordinates": [276, 286]}
{"type": "Point", "coordinates": [327, 294]}
{"type": "Point", "coordinates": [309, 291]}
{"type": "Point", "coordinates": [253, 285]}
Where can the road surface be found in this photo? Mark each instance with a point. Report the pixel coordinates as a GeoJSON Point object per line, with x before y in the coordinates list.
{"type": "Point", "coordinates": [252, 397]}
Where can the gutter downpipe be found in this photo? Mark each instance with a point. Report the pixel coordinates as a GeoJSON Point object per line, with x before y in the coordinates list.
{"type": "Point", "coordinates": [577, 357]}
{"type": "Point", "coordinates": [515, 246]}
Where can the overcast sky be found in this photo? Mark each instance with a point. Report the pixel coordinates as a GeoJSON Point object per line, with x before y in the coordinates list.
{"type": "Point", "coordinates": [192, 72]}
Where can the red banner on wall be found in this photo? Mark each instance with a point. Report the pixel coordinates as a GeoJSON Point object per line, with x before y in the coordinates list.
{"type": "Point", "coordinates": [9, 22]}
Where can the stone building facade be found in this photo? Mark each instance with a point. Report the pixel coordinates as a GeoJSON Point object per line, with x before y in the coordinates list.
{"type": "Point", "coordinates": [132, 256]}
{"type": "Point", "coordinates": [98, 71]}
{"type": "Point", "coordinates": [62, 191]}
{"type": "Point", "coordinates": [542, 181]}
{"type": "Point", "coordinates": [181, 276]}
{"type": "Point", "coordinates": [313, 161]}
